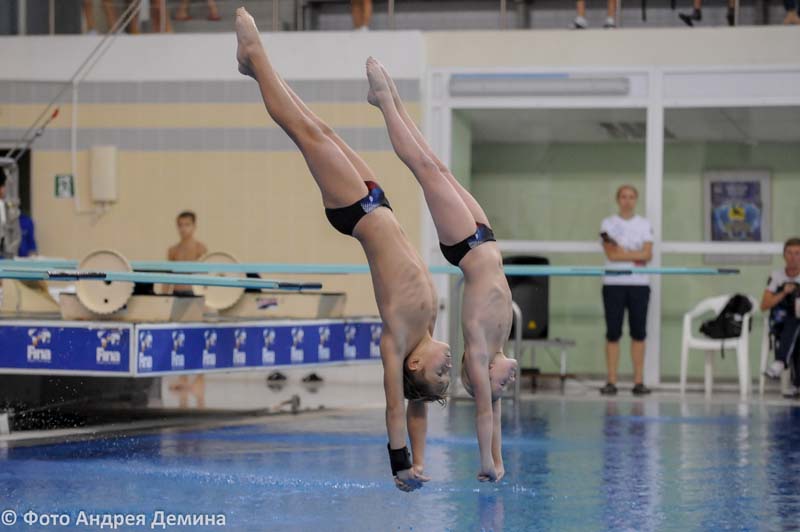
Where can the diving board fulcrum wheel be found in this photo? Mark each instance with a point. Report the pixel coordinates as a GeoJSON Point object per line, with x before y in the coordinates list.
{"type": "Point", "coordinates": [220, 298]}
{"type": "Point", "coordinates": [104, 297]}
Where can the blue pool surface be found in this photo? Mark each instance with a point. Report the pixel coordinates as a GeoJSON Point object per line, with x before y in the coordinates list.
{"type": "Point", "coordinates": [571, 465]}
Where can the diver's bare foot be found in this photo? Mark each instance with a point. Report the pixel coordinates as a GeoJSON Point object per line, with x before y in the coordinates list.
{"type": "Point", "coordinates": [378, 88]}
{"type": "Point", "coordinates": [248, 41]}
{"type": "Point", "coordinates": [392, 86]}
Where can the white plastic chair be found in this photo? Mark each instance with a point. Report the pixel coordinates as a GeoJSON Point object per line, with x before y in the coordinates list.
{"type": "Point", "coordinates": [713, 306]}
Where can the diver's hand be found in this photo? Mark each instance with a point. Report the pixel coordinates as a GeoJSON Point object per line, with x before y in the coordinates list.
{"type": "Point", "coordinates": [488, 473]}
{"type": "Point", "coordinates": [407, 480]}
{"type": "Point", "coordinates": [419, 472]}
{"type": "Point", "coordinates": [500, 469]}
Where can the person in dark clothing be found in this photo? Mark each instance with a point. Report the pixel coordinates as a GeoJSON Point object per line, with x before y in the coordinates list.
{"type": "Point", "coordinates": [779, 299]}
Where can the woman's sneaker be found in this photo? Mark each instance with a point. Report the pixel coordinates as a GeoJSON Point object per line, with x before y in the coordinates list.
{"type": "Point", "coordinates": [775, 369]}
{"type": "Point", "coordinates": [640, 389]}
{"type": "Point", "coordinates": [608, 389]}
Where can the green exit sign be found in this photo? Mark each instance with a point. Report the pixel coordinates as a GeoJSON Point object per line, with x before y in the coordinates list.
{"type": "Point", "coordinates": [65, 186]}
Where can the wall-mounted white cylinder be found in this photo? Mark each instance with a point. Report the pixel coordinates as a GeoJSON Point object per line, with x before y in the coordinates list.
{"type": "Point", "coordinates": [103, 172]}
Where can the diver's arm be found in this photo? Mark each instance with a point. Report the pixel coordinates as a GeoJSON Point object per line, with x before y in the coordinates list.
{"type": "Point", "coordinates": [405, 478]}
{"type": "Point", "coordinates": [393, 389]}
{"type": "Point", "coordinates": [478, 369]}
{"type": "Point", "coordinates": [618, 254]}
{"type": "Point", "coordinates": [417, 421]}
{"type": "Point", "coordinates": [497, 439]}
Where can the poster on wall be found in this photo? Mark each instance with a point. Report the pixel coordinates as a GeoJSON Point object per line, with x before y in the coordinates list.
{"type": "Point", "coordinates": [736, 209]}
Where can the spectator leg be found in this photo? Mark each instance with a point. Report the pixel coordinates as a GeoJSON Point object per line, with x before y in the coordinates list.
{"type": "Point", "coordinates": [695, 16]}
{"type": "Point", "coordinates": [611, 15]}
{"type": "Point", "coordinates": [614, 307]}
{"type": "Point", "coordinates": [612, 8]}
{"type": "Point", "coordinates": [155, 17]}
{"type": "Point", "coordinates": [612, 361]}
{"type": "Point", "coordinates": [361, 12]}
{"type": "Point", "coordinates": [88, 15]}
{"type": "Point", "coordinates": [213, 12]}
{"type": "Point", "coordinates": [580, 15]}
{"type": "Point", "coordinates": [637, 356]}
{"type": "Point", "coordinates": [787, 339]}
{"type": "Point", "coordinates": [792, 12]}
{"type": "Point", "coordinates": [638, 301]}
{"type": "Point", "coordinates": [182, 12]}
{"type": "Point", "coordinates": [133, 25]}
{"type": "Point", "coordinates": [110, 12]}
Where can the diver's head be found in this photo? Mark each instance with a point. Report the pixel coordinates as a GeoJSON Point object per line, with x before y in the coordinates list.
{"type": "Point", "coordinates": [502, 373]}
{"type": "Point", "coordinates": [426, 372]}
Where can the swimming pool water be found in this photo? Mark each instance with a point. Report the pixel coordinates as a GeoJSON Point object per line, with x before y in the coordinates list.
{"type": "Point", "coordinates": [571, 465]}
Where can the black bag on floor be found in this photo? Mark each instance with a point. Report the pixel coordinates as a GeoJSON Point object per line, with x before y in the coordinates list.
{"type": "Point", "coordinates": [728, 323]}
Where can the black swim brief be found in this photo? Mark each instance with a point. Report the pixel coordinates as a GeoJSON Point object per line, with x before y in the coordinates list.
{"type": "Point", "coordinates": [456, 252]}
{"type": "Point", "coordinates": [344, 219]}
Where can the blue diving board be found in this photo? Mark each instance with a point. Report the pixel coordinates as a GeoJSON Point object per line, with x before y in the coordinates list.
{"type": "Point", "coordinates": [36, 347]}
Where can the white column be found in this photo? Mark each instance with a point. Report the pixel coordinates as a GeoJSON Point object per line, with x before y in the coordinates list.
{"type": "Point", "coordinates": [654, 183]}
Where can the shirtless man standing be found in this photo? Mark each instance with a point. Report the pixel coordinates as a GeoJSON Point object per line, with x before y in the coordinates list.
{"type": "Point", "coordinates": [189, 248]}
{"type": "Point", "coordinates": [414, 364]}
{"type": "Point", "coordinates": [466, 241]}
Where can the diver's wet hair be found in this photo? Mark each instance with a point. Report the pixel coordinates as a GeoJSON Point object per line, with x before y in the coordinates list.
{"type": "Point", "coordinates": [416, 388]}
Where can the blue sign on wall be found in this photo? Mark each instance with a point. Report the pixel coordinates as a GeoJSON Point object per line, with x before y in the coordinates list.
{"type": "Point", "coordinates": [52, 347]}
{"type": "Point", "coordinates": [45, 347]}
{"type": "Point", "coordinates": [177, 349]}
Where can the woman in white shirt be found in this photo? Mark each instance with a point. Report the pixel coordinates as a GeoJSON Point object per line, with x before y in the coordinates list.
{"type": "Point", "coordinates": [627, 242]}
